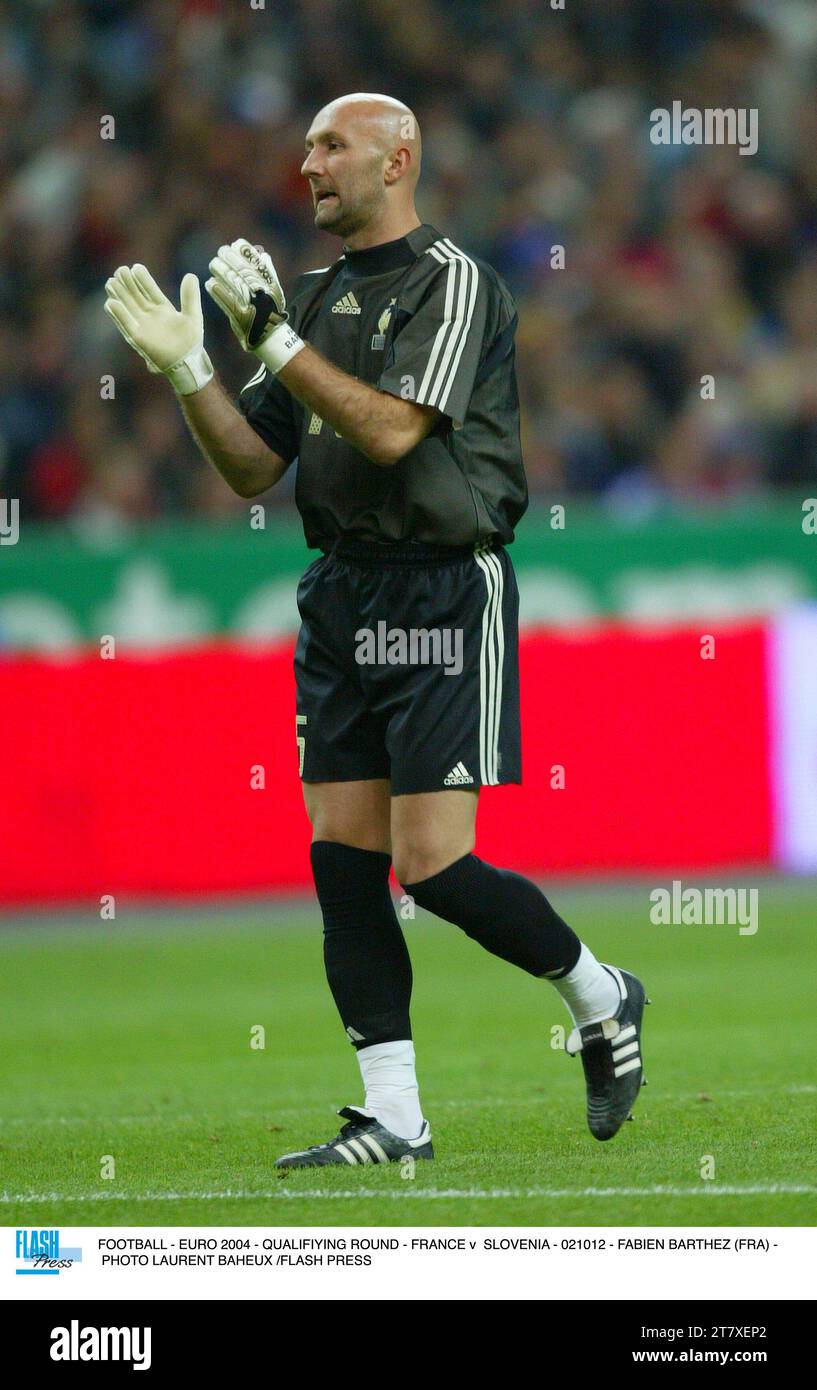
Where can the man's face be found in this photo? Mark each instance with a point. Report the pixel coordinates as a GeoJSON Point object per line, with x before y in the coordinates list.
{"type": "Point", "coordinates": [345, 171]}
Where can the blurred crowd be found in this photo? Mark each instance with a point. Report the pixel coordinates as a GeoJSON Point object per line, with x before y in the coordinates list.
{"type": "Point", "coordinates": [680, 264]}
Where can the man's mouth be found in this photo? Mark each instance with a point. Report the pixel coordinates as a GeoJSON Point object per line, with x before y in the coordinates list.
{"type": "Point", "coordinates": [323, 196]}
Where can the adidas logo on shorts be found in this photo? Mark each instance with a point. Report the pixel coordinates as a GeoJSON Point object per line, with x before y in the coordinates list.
{"type": "Point", "coordinates": [459, 776]}
{"type": "Point", "coordinates": [347, 305]}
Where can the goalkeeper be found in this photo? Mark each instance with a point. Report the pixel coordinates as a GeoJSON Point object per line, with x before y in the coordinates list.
{"type": "Point", "coordinates": [390, 377]}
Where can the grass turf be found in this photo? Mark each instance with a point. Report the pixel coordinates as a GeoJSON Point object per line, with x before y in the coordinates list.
{"type": "Point", "coordinates": [133, 1040]}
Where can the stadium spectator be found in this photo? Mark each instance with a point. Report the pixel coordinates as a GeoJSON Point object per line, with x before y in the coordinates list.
{"type": "Point", "coordinates": [680, 262]}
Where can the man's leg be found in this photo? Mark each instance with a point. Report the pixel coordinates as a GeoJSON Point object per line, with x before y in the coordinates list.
{"type": "Point", "coordinates": [452, 729]}
{"type": "Point", "coordinates": [433, 838]}
{"type": "Point", "coordinates": [365, 953]}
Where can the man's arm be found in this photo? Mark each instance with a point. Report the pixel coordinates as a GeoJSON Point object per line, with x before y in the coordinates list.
{"type": "Point", "coordinates": [382, 426]}
{"type": "Point", "coordinates": [230, 443]}
{"type": "Point", "coordinates": [171, 341]}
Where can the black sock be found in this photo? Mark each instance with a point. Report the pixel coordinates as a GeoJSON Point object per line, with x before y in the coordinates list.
{"type": "Point", "coordinates": [364, 950]}
{"type": "Point", "coordinates": [505, 913]}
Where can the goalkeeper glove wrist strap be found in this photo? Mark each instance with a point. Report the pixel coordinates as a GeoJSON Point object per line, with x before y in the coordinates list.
{"type": "Point", "coordinates": [191, 373]}
{"type": "Point", "coordinates": [279, 347]}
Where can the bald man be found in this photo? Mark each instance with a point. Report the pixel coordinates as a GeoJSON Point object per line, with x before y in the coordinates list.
{"type": "Point", "coordinates": [390, 376]}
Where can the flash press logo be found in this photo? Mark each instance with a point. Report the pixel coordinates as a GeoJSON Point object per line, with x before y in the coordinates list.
{"type": "Point", "coordinates": [75, 1343]}
{"type": "Point", "coordinates": [40, 1252]}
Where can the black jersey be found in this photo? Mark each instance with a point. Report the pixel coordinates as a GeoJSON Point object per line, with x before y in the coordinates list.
{"type": "Point", "coordinates": [422, 320]}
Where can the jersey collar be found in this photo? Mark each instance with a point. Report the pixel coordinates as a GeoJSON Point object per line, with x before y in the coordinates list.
{"type": "Point", "coordinates": [390, 255]}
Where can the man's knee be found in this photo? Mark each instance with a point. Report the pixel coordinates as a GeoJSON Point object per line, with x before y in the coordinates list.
{"type": "Point", "coordinates": [359, 834]}
{"type": "Point", "coordinates": [420, 860]}
{"type": "Point", "coordinates": [349, 813]}
{"type": "Point", "coordinates": [429, 831]}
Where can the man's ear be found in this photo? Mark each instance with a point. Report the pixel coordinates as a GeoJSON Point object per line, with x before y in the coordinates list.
{"type": "Point", "coordinates": [398, 165]}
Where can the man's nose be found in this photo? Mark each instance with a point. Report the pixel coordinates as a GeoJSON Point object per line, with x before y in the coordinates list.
{"type": "Point", "coordinates": [311, 164]}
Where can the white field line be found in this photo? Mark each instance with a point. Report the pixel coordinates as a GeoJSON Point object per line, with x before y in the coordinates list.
{"type": "Point", "coordinates": [278, 1112]}
{"type": "Point", "coordinates": [408, 1193]}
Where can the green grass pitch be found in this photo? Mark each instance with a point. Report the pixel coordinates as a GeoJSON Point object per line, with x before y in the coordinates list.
{"type": "Point", "coordinates": [132, 1039]}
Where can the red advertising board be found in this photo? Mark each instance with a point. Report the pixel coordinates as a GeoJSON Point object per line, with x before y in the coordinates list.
{"type": "Point", "coordinates": [135, 776]}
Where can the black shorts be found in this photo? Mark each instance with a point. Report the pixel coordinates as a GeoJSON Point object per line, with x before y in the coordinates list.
{"type": "Point", "coordinates": [407, 667]}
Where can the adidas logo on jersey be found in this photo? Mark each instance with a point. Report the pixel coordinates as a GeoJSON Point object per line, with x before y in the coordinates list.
{"type": "Point", "coordinates": [347, 305]}
{"type": "Point", "coordinates": [459, 776]}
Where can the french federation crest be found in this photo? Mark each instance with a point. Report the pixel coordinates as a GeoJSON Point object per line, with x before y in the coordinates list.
{"type": "Point", "coordinates": [379, 338]}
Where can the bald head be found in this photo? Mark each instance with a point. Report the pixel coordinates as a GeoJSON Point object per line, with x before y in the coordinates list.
{"type": "Point", "coordinates": [386, 124]}
{"type": "Point", "coordinates": [363, 155]}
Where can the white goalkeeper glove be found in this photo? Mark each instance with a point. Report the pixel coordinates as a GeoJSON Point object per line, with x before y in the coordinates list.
{"type": "Point", "coordinates": [170, 340]}
{"type": "Point", "coordinates": [246, 287]}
